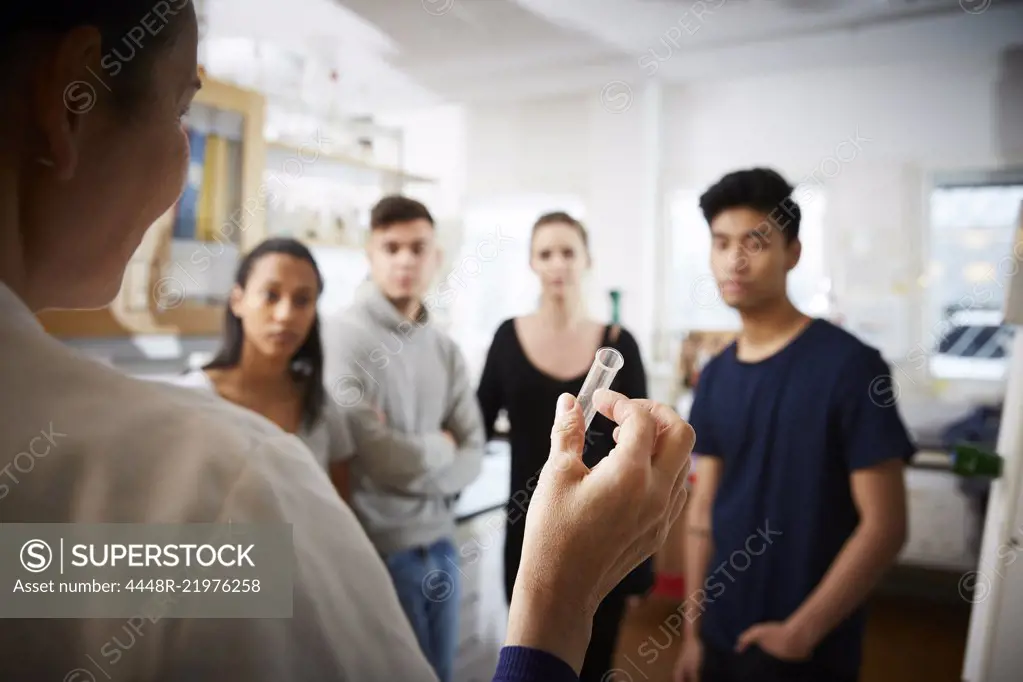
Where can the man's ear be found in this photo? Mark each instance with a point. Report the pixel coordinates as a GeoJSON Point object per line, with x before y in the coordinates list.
{"type": "Point", "coordinates": [793, 250]}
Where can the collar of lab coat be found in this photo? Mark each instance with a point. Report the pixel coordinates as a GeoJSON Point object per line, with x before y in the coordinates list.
{"type": "Point", "coordinates": [14, 312]}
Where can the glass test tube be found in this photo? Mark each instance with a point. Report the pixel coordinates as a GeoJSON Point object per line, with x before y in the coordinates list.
{"type": "Point", "coordinates": [606, 364]}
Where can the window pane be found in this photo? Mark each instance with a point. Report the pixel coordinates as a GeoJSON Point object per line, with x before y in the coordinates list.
{"type": "Point", "coordinates": [972, 232]}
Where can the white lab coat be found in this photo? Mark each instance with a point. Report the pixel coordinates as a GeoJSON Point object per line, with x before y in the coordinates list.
{"type": "Point", "coordinates": [110, 448]}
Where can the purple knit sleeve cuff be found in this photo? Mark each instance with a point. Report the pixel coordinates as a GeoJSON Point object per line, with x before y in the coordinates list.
{"type": "Point", "coordinates": [522, 664]}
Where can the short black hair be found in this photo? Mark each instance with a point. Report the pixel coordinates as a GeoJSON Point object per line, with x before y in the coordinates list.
{"type": "Point", "coordinates": [395, 208]}
{"type": "Point", "coordinates": [760, 189]}
{"type": "Point", "coordinates": [133, 35]}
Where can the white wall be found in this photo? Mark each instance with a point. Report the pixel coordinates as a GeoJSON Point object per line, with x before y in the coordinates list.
{"type": "Point", "coordinates": [536, 146]}
{"type": "Point", "coordinates": [434, 147]}
{"type": "Point", "coordinates": [870, 136]}
{"type": "Point", "coordinates": [572, 145]}
{"type": "Point", "coordinates": [936, 112]}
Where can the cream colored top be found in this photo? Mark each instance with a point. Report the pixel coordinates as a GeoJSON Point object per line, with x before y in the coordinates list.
{"type": "Point", "coordinates": [139, 451]}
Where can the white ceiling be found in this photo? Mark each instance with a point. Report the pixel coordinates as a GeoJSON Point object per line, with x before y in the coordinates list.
{"type": "Point", "coordinates": [409, 53]}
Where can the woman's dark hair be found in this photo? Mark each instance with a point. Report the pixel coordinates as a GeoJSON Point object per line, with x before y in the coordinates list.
{"type": "Point", "coordinates": [561, 218]}
{"type": "Point", "coordinates": [133, 35]}
{"type": "Point", "coordinates": [307, 363]}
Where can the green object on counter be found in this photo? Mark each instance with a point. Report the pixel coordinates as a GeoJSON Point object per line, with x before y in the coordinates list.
{"type": "Point", "coordinates": [616, 298]}
{"type": "Point", "coordinates": [970, 460]}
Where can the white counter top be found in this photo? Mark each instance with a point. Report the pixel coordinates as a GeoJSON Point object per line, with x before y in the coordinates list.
{"type": "Point", "coordinates": [490, 490]}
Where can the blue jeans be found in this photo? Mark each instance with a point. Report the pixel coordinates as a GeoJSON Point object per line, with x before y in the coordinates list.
{"type": "Point", "coordinates": [426, 580]}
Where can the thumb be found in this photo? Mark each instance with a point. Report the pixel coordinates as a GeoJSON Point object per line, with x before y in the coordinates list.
{"type": "Point", "coordinates": [567, 434]}
{"type": "Point", "coordinates": [749, 637]}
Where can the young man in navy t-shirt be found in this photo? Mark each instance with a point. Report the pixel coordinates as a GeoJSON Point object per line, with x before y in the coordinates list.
{"type": "Point", "coordinates": [799, 502]}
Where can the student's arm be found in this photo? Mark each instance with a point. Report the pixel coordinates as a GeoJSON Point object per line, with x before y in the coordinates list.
{"type": "Point", "coordinates": [426, 464]}
{"type": "Point", "coordinates": [697, 529]}
{"type": "Point", "coordinates": [879, 494]}
{"type": "Point", "coordinates": [390, 458]}
{"type": "Point", "coordinates": [709, 468]}
{"type": "Point", "coordinates": [341, 476]}
{"type": "Point", "coordinates": [465, 424]}
{"type": "Point", "coordinates": [401, 462]}
{"type": "Point", "coordinates": [340, 451]}
{"type": "Point", "coordinates": [876, 447]}
{"type": "Point", "coordinates": [699, 544]}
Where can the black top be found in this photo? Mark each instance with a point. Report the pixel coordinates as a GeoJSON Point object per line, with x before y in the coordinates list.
{"type": "Point", "coordinates": [529, 396]}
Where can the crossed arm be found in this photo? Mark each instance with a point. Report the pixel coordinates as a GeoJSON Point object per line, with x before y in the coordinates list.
{"type": "Point", "coordinates": [442, 462]}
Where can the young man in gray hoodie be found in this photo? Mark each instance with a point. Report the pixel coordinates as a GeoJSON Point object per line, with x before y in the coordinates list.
{"type": "Point", "coordinates": [418, 429]}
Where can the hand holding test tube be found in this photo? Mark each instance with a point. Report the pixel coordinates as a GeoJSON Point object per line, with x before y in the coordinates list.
{"type": "Point", "coordinates": [606, 364]}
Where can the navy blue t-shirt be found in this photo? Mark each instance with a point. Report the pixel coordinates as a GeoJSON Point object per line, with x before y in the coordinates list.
{"type": "Point", "coordinates": [790, 430]}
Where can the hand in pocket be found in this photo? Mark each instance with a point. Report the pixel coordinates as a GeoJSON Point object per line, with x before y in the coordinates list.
{"type": "Point", "coordinates": [777, 640]}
